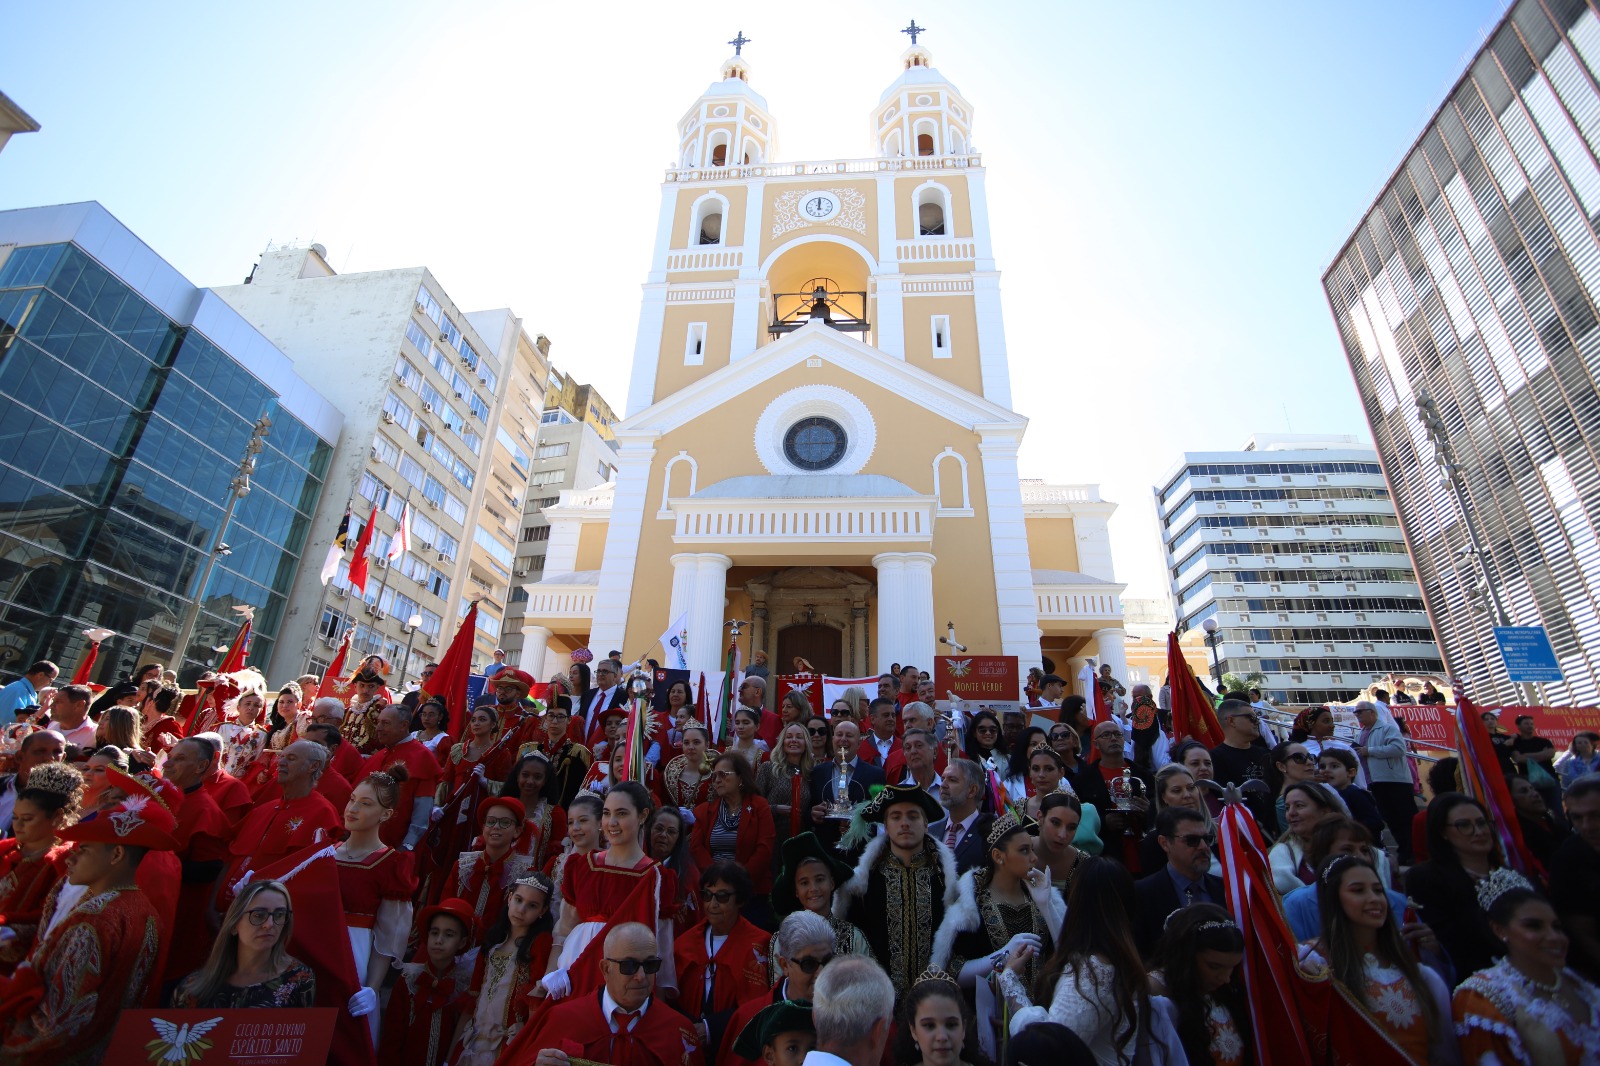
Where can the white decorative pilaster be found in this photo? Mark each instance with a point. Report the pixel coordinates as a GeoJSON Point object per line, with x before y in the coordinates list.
{"type": "Point", "coordinates": [535, 643]}
{"type": "Point", "coordinates": [1008, 542]}
{"type": "Point", "coordinates": [978, 204]}
{"type": "Point", "coordinates": [993, 364]}
{"type": "Point", "coordinates": [1110, 645]}
{"type": "Point", "coordinates": [610, 627]}
{"type": "Point", "coordinates": [905, 609]}
{"type": "Point", "coordinates": [888, 258]}
{"type": "Point", "coordinates": [647, 346]}
{"type": "Point", "coordinates": [746, 328]}
{"type": "Point", "coordinates": [890, 328]}
{"type": "Point", "coordinates": [683, 574]}
{"type": "Point", "coordinates": [755, 198]}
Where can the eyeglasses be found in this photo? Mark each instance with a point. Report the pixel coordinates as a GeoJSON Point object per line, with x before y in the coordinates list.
{"type": "Point", "coordinates": [1298, 757]}
{"type": "Point", "coordinates": [262, 915]}
{"type": "Point", "coordinates": [809, 966]}
{"type": "Point", "coordinates": [1113, 734]}
{"type": "Point", "coordinates": [1194, 840]}
{"type": "Point", "coordinates": [822, 732]}
{"type": "Point", "coordinates": [629, 967]}
{"type": "Point", "coordinates": [499, 823]}
{"type": "Point", "coordinates": [1470, 827]}
{"type": "Point", "coordinates": [553, 716]}
{"type": "Point", "coordinates": [724, 773]}
{"type": "Point", "coordinates": [721, 897]}
{"type": "Point", "coordinates": [989, 729]}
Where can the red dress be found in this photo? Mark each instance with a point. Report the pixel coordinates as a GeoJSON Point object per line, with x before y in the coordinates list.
{"type": "Point", "coordinates": [97, 962]}
{"type": "Point", "coordinates": [673, 791]}
{"type": "Point", "coordinates": [738, 969]}
{"type": "Point", "coordinates": [365, 885]}
{"type": "Point", "coordinates": [458, 766]}
{"type": "Point", "coordinates": [163, 735]}
{"type": "Point", "coordinates": [24, 884]}
{"type": "Point", "coordinates": [542, 834]}
{"type": "Point", "coordinates": [483, 882]}
{"type": "Point", "coordinates": [424, 1007]}
{"type": "Point", "coordinates": [597, 889]}
{"type": "Point", "coordinates": [660, 1037]}
{"type": "Point", "coordinates": [422, 771]}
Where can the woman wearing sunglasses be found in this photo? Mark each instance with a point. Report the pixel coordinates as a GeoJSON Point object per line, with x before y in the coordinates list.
{"type": "Point", "coordinates": [1290, 763]}
{"type": "Point", "coordinates": [984, 744]}
{"type": "Point", "coordinates": [250, 964]}
{"type": "Point", "coordinates": [722, 960]}
{"type": "Point", "coordinates": [735, 825]}
{"type": "Point", "coordinates": [802, 946]}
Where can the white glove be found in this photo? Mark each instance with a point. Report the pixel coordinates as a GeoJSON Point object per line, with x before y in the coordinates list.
{"type": "Point", "coordinates": [436, 814]}
{"type": "Point", "coordinates": [364, 1002]}
{"type": "Point", "coordinates": [479, 773]}
{"type": "Point", "coordinates": [557, 984]}
{"type": "Point", "coordinates": [1030, 939]}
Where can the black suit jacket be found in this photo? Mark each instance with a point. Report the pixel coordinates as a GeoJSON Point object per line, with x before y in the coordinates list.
{"type": "Point", "coordinates": [973, 849]}
{"type": "Point", "coordinates": [588, 710]}
{"type": "Point", "coordinates": [1155, 898]}
{"type": "Point", "coordinates": [863, 775]}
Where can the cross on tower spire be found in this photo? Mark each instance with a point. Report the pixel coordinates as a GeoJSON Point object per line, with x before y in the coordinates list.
{"type": "Point", "coordinates": [738, 42]}
{"type": "Point", "coordinates": [913, 30]}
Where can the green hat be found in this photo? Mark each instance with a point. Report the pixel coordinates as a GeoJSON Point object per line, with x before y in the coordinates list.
{"type": "Point", "coordinates": [784, 1016]}
{"type": "Point", "coordinates": [893, 794]}
{"type": "Point", "coordinates": [796, 850]}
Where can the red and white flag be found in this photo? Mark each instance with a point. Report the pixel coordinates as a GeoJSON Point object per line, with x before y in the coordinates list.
{"type": "Point", "coordinates": [400, 543]}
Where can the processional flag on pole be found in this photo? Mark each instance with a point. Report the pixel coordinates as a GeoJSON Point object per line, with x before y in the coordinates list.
{"type": "Point", "coordinates": [1192, 712]}
{"type": "Point", "coordinates": [330, 565]}
{"type": "Point", "coordinates": [730, 687]}
{"type": "Point", "coordinates": [358, 561]}
{"type": "Point", "coordinates": [449, 680]}
{"type": "Point", "coordinates": [238, 651]}
{"type": "Point", "coordinates": [400, 543]}
{"type": "Point", "coordinates": [1483, 781]}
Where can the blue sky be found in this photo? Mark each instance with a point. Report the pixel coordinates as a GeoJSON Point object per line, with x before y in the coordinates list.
{"type": "Point", "coordinates": [1167, 181]}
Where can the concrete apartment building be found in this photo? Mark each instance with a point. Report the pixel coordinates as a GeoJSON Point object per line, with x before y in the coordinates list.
{"type": "Point", "coordinates": [442, 409]}
{"type": "Point", "coordinates": [1293, 546]}
{"type": "Point", "coordinates": [576, 452]}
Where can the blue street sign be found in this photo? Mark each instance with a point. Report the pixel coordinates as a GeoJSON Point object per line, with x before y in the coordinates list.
{"type": "Point", "coordinates": [1527, 653]}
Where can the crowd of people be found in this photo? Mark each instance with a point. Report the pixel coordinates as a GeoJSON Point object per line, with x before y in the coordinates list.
{"type": "Point", "coordinates": [873, 882]}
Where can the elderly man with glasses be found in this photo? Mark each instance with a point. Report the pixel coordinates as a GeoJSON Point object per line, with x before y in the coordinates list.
{"type": "Point", "coordinates": [627, 1022]}
{"type": "Point", "coordinates": [804, 946]}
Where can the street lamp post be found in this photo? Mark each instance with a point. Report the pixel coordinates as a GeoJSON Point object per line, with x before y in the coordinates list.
{"type": "Point", "coordinates": [1454, 479]}
{"type": "Point", "coordinates": [238, 489]}
{"type": "Point", "coordinates": [411, 628]}
{"type": "Point", "coordinates": [1213, 638]}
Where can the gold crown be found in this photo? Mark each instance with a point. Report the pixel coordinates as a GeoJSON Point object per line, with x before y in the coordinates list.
{"type": "Point", "coordinates": [1008, 824]}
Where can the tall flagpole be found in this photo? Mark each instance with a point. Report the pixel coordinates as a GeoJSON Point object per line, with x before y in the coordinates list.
{"type": "Point", "coordinates": [383, 585]}
{"type": "Point", "coordinates": [338, 632]}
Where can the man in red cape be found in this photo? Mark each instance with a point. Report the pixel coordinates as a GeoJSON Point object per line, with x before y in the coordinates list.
{"type": "Point", "coordinates": [392, 733]}
{"type": "Point", "coordinates": [228, 791]}
{"type": "Point", "coordinates": [202, 837]}
{"type": "Point", "coordinates": [623, 1023]}
{"type": "Point", "coordinates": [302, 817]}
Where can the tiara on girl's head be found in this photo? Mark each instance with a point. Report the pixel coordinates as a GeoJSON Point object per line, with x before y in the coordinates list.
{"type": "Point", "coordinates": [1501, 879]}
{"type": "Point", "coordinates": [1204, 927]}
{"type": "Point", "coordinates": [57, 777]}
{"type": "Point", "coordinates": [1335, 864]}
{"type": "Point", "coordinates": [936, 977]}
{"type": "Point", "coordinates": [1008, 824]}
{"type": "Point", "coordinates": [536, 879]}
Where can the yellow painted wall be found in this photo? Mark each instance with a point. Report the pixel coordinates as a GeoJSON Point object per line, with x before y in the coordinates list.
{"type": "Point", "coordinates": [737, 196]}
{"type": "Point", "coordinates": [774, 189]}
{"type": "Point", "coordinates": [591, 546]}
{"type": "Point", "coordinates": [905, 189]}
{"type": "Point", "coordinates": [962, 367]}
{"type": "Point", "coordinates": [908, 438]}
{"type": "Point", "coordinates": [671, 372]}
{"type": "Point", "coordinates": [1052, 543]}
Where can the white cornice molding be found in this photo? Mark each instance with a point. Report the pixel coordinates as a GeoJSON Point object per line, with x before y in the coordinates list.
{"type": "Point", "coordinates": [814, 340]}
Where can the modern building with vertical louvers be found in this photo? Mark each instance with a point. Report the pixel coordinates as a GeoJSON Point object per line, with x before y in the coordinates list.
{"type": "Point", "coordinates": [1473, 282]}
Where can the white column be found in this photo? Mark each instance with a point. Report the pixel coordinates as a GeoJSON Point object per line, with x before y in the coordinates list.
{"type": "Point", "coordinates": [888, 259]}
{"type": "Point", "coordinates": [905, 609]}
{"type": "Point", "coordinates": [535, 643]}
{"type": "Point", "coordinates": [683, 572]}
{"type": "Point", "coordinates": [755, 196]}
{"type": "Point", "coordinates": [615, 591]}
{"type": "Point", "coordinates": [858, 641]}
{"type": "Point", "coordinates": [1008, 544]}
{"type": "Point", "coordinates": [890, 328]}
{"type": "Point", "coordinates": [978, 204]}
{"type": "Point", "coordinates": [993, 365]}
{"type": "Point", "coordinates": [647, 347]}
{"type": "Point", "coordinates": [708, 594]}
{"type": "Point", "coordinates": [747, 324]}
{"type": "Point", "coordinates": [1109, 644]}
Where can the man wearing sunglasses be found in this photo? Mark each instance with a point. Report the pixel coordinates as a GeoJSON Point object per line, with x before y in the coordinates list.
{"type": "Point", "coordinates": [625, 1022]}
{"type": "Point", "coordinates": [805, 945]}
{"type": "Point", "coordinates": [1186, 878]}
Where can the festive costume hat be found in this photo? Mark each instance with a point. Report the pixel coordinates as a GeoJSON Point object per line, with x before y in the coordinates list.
{"type": "Point", "coordinates": [771, 1022]}
{"type": "Point", "coordinates": [459, 909]}
{"type": "Point", "coordinates": [511, 675]}
{"type": "Point", "coordinates": [890, 795]}
{"type": "Point", "coordinates": [138, 821]}
{"type": "Point", "coordinates": [804, 847]}
{"type": "Point", "coordinates": [513, 805]}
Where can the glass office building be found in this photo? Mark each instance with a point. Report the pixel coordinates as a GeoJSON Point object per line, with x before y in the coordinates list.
{"type": "Point", "coordinates": [1476, 276]}
{"type": "Point", "coordinates": [127, 396]}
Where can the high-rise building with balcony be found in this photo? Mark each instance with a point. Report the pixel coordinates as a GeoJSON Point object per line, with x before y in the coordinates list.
{"type": "Point", "coordinates": [1473, 280]}
{"type": "Point", "coordinates": [442, 410]}
{"type": "Point", "coordinates": [1293, 546]}
{"type": "Point", "coordinates": [576, 452]}
{"type": "Point", "coordinates": [127, 396]}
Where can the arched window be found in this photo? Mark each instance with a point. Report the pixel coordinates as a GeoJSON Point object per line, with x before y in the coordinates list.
{"type": "Point", "coordinates": [891, 144]}
{"type": "Point", "coordinates": [710, 211]}
{"type": "Point", "coordinates": [717, 149]}
{"type": "Point", "coordinates": [958, 144]}
{"type": "Point", "coordinates": [927, 138]}
{"type": "Point", "coordinates": [752, 151]}
{"type": "Point", "coordinates": [684, 487]}
{"type": "Point", "coordinates": [952, 504]}
{"type": "Point", "coordinates": [933, 210]}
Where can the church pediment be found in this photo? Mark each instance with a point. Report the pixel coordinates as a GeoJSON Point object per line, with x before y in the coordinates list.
{"type": "Point", "coordinates": [816, 345]}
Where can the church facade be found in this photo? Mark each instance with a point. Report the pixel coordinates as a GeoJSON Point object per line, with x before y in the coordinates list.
{"type": "Point", "coordinates": [820, 435]}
